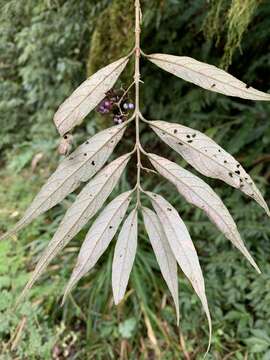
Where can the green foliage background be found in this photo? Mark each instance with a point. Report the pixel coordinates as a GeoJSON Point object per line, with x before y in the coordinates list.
{"type": "Point", "coordinates": [47, 47]}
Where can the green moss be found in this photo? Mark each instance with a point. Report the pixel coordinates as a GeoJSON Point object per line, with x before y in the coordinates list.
{"type": "Point", "coordinates": [113, 36]}
{"type": "Point", "coordinates": [238, 15]}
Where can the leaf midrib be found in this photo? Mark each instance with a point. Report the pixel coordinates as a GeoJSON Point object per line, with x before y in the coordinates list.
{"type": "Point", "coordinates": [77, 169]}
{"type": "Point", "coordinates": [87, 96]}
{"type": "Point", "coordinates": [212, 78]}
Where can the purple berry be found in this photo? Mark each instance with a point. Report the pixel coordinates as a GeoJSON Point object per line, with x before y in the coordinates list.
{"type": "Point", "coordinates": [131, 106]}
{"type": "Point", "coordinates": [107, 104]}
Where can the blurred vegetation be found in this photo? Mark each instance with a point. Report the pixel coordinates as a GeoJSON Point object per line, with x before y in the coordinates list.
{"type": "Point", "coordinates": [45, 47]}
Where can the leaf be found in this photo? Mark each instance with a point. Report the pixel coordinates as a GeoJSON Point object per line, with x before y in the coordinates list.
{"type": "Point", "coordinates": [163, 252]}
{"type": "Point", "coordinates": [86, 205]}
{"type": "Point", "coordinates": [99, 237]}
{"type": "Point", "coordinates": [127, 327]}
{"type": "Point", "coordinates": [124, 255]}
{"type": "Point", "coordinates": [182, 248]}
{"type": "Point", "coordinates": [78, 167]}
{"type": "Point", "coordinates": [206, 76]}
{"type": "Point", "coordinates": [200, 194]}
{"type": "Point", "coordinates": [87, 96]}
{"type": "Point", "coordinates": [208, 157]}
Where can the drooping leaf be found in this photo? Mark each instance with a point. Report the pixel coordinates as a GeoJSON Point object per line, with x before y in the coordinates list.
{"type": "Point", "coordinates": [200, 194]}
{"type": "Point", "coordinates": [86, 205]}
{"type": "Point", "coordinates": [206, 76]}
{"type": "Point", "coordinates": [163, 252]}
{"type": "Point", "coordinates": [124, 255]}
{"type": "Point", "coordinates": [78, 167]}
{"type": "Point", "coordinates": [182, 247]}
{"type": "Point", "coordinates": [99, 237]}
{"type": "Point", "coordinates": [87, 96]}
{"type": "Point", "coordinates": [208, 157]}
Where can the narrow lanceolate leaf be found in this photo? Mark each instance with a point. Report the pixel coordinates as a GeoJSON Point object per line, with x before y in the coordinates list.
{"type": "Point", "coordinates": [78, 167]}
{"type": "Point", "coordinates": [200, 194]}
{"type": "Point", "coordinates": [182, 247]}
{"type": "Point", "coordinates": [87, 96]}
{"type": "Point", "coordinates": [99, 237]}
{"type": "Point", "coordinates": [124, 255]}
{"type": "Point", "coordinates": [207, 76]}
{"type": "Point", "coordinates": [86, 205]}
{"type": "Point", "coordinates": [207, 157]}
{"type": "Point", "coordinates": [163, 252]}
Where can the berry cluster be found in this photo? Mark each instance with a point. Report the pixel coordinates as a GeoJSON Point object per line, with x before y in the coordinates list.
{"type": "Point", "coordinates": [117, 104]}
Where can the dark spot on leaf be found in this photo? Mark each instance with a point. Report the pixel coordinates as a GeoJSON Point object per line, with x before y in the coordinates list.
{"type": "Point", "coordinates": [93, 163]}
{"type": "Point", "coordinates": [180, 143]}
{"type": "Point", "coordinates": [65, 136]}
{"type": "Point", "coordinates": [110, 227]}
{"type": "Point", "coordinates": [85, 154]}
{"type": "Point", "coordinates": [241, 180]}
{"type": "Point", "coordinates": [190, 141]}
{"type": "Point", "coordinates": [169, 209]}
{"type": "Point", "coordinates": [87, 142]}
{"type": "Point", "coordinates": [238, 165]}
{"type": "Point", "coordinates": [225, 161]}
{"type": "Point", "coordinates": [219, 150]}
{"type": "Point", "coordinates": [188, 136]}
{"type": "Point", "coordinates": [194, 135]}
{"type": "Point", "coordinates": [174, 131]}
{"type": "Point", "coordinates": [237, 172]}
{"type": "Point", "coordinates": [213, 85]}
{"type": "Point", "coordinates": [231, 175]}
{"type": "Point", "coordinates": [247, 86]}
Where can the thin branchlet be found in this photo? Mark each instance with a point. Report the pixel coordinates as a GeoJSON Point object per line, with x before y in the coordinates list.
{"type": "Point", "coordinates": [137, 77]}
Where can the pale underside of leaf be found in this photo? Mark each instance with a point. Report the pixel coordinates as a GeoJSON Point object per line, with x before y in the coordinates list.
{"type": "Point", "coordinates": [87, 96]}
{"type": "Point", "coordinates": [182, 248]}
{"type": "Point", "coordinates": [99, 237]}
{"type": "Point", "coordinates": [78, 167]}
{"type": "Point", "coordinates": [86, 205]}
{"type": "Point", "coordinates": [200, 194]}
{"type": "Point", "coordinates": [208, 157]}
{"type": "Point", "coordinates": [207, 76]}
{"type": "Point", "coordinates": [124, 255]}
{"type": "Point", "coordinates": [163, 253]}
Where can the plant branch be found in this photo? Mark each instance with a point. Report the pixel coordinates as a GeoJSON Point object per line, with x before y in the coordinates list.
{"type": "Point", "coordinates": [137, 77]}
